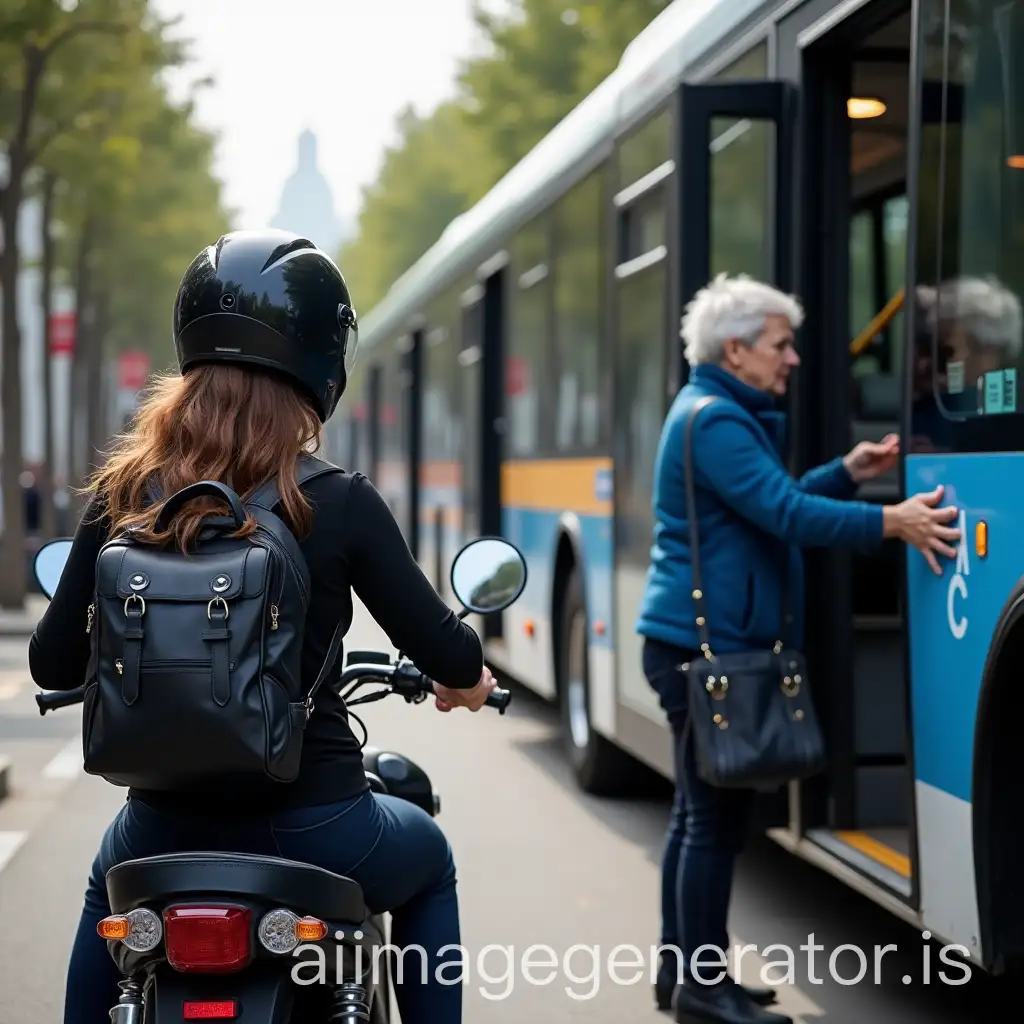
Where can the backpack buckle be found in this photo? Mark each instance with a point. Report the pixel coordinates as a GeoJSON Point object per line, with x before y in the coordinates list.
{"type": "Point", "coordinates": [308, 705]}
{"type": "Point", "coordinates": [213, 603]}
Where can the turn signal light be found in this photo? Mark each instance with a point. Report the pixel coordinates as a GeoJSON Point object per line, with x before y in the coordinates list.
{"type": "Point", "coordinates": [281, 931]}
{"type": "Point", "coordinates": [116, 927]}
{"type": "Point", "coordinates": [309, 929]}
{"type": "Point", "coordinates": [981, 538]}
{"type": "Point", "coordinates": [140, 929]}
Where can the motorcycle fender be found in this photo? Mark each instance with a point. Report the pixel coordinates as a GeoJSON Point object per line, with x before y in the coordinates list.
{"type": "Point", "coordinates": [266, 997]}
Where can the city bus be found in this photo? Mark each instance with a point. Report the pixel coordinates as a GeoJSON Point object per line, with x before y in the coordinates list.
{"type": "Point", "coordinates": [868, 156]}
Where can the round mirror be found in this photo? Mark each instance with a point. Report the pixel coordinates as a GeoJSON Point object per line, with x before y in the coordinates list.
{"type": "Point", "coordinates": [488, 575]}
{"type": "Point", "coordinates": [49, 564]}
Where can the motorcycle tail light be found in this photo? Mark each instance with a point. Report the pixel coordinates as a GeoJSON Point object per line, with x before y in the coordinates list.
{"type": "Point", "coordinates": [140, 930]}
{"type": "Point", "coordinates": [208, 939]}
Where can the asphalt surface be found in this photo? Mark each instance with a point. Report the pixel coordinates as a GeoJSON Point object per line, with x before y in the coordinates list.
{"type": "Point", "coordinates": [539, 865]}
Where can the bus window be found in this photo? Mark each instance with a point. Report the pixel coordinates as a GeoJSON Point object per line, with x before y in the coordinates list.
{"type": "Point", "coordinates": [742, 152]}
{"type": "Point", "coordinates": [647, 149]}
{"type": "Point", "coordinates": [971, 233]}
{"type": "Point", "coordinates": [579, 287]}
{"type": "Point", "coordinates": [528, 369]}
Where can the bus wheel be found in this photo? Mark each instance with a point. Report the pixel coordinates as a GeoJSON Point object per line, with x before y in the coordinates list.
{"type": "Point", "coordinates": [600, 767]}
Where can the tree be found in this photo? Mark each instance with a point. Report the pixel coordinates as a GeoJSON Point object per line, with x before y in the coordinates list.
{"type": "Point", "coordinates": [125, 173]}
{"type": "Point", "coordinates": [57, 66]}
{"type": "Point", "coordinates": [544, 57]}
{"type": "Point", "coordinates": [435, 171]}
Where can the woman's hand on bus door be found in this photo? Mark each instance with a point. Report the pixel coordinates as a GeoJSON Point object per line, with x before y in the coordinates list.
{"type": "Point", "coordinates": [871, 459]}
{"type": "Point", "coordinates": [920, 522]}
{"type": "Point", "coordinates": [474, 699]}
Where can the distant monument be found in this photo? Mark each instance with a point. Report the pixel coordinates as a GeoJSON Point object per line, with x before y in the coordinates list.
{"type": "Point", "coordinates": [307, 206]}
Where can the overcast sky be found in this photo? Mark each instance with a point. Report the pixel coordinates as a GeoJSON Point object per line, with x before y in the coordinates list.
{"type": "Point", "coordinates": [342, 68]}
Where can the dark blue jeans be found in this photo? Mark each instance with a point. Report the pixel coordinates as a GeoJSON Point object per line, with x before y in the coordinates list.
{"type": "Point", "coordinates": [396, 852]}
{"type": "Point", "coordinates": [706, 832]}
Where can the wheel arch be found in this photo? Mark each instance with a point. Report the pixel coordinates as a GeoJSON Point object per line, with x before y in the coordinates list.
{"type": "Point", "coordinates": [568, 557]}
{"type": "Point", "coordinates": [998, 829]}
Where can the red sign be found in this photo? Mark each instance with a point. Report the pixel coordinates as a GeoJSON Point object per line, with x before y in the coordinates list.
{"type": "Point", "coordinates": [62, 334]}
{"type": "Point", "coordinates": [517, 375]}
{"type": "Point", "coordinates": [132, 370]}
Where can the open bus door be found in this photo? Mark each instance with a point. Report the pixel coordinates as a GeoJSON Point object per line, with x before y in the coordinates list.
{"type": "Point", "coordinates": [715, 116]}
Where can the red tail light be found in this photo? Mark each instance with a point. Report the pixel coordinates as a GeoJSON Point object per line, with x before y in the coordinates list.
{"type": "Point", "coordinates": [224, 1009]}
{"type": "Point", "coordinates": [213, 940]}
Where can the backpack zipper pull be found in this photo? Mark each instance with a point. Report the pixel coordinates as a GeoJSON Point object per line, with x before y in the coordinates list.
{"type": "Point", "coordinates": [273, 616]}
{"type": "Point", "coordinates": [88, 621]}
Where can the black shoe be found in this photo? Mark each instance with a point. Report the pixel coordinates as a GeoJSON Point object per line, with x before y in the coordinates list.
{"type": "Point", "coordinates": [727, 1003]}
{"type": "Point", "coordinates": [665, 989]}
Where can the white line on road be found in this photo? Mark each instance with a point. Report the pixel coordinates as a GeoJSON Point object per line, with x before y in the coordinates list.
{"type": "Point", "coordinates": [9, 843]}
{"type": "Point", "coordinates": [68, 763]}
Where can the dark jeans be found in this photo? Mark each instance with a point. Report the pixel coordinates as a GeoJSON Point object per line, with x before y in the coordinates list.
{"type": "Point", "coordinates": [706, 831]}
{"type": "Point", "coordinates": [396, 852]}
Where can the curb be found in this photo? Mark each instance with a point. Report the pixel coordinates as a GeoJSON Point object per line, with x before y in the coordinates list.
{"type": "Point", "coordinates": [5, 778]}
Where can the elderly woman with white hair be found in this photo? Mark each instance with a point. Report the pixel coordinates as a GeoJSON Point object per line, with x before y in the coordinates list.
{"type": "Point", "coordinates": [753, 519]}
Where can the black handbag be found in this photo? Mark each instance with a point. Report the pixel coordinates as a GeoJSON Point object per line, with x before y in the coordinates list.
{"type": "Point", "coordinates": [752, 718]}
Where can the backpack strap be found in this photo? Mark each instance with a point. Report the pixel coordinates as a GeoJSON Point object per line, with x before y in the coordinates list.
{"type": "Point", "coordinates": [262, 503]}
{"type": "Point", "coordinates": [309, 467]}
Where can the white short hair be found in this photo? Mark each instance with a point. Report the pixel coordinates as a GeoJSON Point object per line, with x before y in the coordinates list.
{"type": "Point", "coordinates": [732, 307]}
{"type": "Point", "coordinates": [988, 311]}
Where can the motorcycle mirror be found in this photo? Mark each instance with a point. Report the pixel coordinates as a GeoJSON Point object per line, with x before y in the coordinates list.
{"type": "Point", "coordinates": [488, 575]}
{"type": "Point", "coordinates": [49, 564]}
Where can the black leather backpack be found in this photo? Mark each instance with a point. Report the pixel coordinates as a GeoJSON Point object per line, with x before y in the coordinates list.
{"type": "Point", "coordinates": [195, 674]}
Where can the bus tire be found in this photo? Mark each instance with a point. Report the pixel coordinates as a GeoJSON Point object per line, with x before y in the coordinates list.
{"type": "Point", "coordinates": [600, 767]}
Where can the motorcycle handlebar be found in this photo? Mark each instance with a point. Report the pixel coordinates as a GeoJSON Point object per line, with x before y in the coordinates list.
{"type": "Point", "coordinates": [404, 678]}
{"type": "Point", "coordinates": [54, 699]}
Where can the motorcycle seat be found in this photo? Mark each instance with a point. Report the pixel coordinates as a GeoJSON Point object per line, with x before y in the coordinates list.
{"type": "Point", "coordinates": [302, 888]}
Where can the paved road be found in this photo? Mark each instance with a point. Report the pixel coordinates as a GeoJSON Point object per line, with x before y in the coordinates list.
{"type": "Point", "coordinates": [538, 865]}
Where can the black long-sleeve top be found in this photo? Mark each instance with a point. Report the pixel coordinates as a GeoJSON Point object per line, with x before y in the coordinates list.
{"type": "Point", "coordinates": [354, 545]}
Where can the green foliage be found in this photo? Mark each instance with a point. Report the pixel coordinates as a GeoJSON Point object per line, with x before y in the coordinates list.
{"type": "Point", "coordinates": [437, 169]}
{"type": "Point", "coordinates": [543, 58]}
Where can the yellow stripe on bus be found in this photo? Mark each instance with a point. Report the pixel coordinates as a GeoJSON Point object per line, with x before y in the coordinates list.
{"type": "Point", "coordinates": [556, 485]}
{"type": "Point", "coordinates": [878, 852]}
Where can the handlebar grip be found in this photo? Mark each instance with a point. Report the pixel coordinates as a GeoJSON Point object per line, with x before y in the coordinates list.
{"type": "Point", "coordinates": [59, 699]}
{"type": "Point", "coordinates": [499, 699]}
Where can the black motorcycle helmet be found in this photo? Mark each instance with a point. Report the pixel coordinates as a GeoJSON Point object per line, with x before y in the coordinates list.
{"type": "Point", "coordinates": [270, 299]}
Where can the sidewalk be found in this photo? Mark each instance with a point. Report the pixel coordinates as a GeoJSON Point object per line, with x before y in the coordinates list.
{"type": "Point", "coordinates": [22, 623]}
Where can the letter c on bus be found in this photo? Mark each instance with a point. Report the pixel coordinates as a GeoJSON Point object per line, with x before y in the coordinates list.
{"type": "Point", "coordinates": [956, 586]}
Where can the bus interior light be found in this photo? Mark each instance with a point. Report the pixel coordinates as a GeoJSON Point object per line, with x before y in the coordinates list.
{"type": "Point", "coordinates": [861, 107]}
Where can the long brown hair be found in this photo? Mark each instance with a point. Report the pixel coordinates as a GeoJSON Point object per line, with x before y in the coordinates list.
{"type": "Point", "coordinates": [237, 425]}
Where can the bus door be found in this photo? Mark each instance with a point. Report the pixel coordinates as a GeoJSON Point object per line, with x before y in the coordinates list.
{"type": "Point", "coordinates": [734, 152]}
{"type": "Point", "coordinates": [480, 387]}
{"type": "Point", "coordinates": [850, 260]}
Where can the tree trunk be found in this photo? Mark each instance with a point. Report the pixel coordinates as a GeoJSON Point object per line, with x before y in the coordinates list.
{"type": "Point", "coordinates": [81, 400]}
{"type": "Point", "coordinates": [99, 400]}
{"type": "Point", "coordinates": [48, 510]}
{"type": "Point", "coordinates": [13, 576]}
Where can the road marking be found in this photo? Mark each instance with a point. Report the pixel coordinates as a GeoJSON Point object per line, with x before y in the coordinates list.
{"type": "Point", "coordinates": [9, 843]}
{"type": "Point", "coordinates": [68, 763]}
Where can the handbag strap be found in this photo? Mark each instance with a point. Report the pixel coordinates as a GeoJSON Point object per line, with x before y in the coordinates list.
{"type": "Point", "coordinates": [691, 514]}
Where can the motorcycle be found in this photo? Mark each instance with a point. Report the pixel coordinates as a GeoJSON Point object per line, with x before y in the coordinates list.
{"type": "Point", "coordinates": [216, 936]}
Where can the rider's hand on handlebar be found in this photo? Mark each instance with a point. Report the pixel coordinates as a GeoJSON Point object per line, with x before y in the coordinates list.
{"type": "Point", "coordinates": [473, 699]}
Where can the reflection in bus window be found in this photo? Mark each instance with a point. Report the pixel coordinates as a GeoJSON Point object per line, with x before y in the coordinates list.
{"type": "Point", "coordinates": [578, 321]}
{"type": "Point", "coordinates": [971, 234]}
{"type": "Point", "coordinates": [741, 155]}
{"type": "Point", "coordinates": [528, 386]}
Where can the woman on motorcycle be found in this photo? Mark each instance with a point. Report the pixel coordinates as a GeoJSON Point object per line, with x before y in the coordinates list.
{"type": "Point", "coordinates": [265, 337]}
